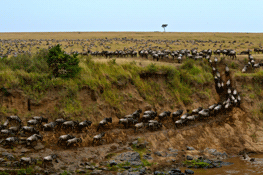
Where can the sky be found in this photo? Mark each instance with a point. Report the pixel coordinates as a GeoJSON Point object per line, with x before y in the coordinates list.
{"type": "Point", "coordinates": [131, 15]}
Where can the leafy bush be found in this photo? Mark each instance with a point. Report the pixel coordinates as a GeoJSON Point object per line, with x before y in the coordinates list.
{"type": "Point", "coordinates": [63, 65]}
{"type": "Point", "coordinates": [187, 65]}
{"type": "Point", "coordinates": [152, 68]}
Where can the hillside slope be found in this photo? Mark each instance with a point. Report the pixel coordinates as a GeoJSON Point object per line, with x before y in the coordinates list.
{"type": "Point", "coordinates": [121, 89]}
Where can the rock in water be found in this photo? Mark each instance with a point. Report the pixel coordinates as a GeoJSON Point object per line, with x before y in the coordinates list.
{"type": "Point", "coordinates": [187, 171]}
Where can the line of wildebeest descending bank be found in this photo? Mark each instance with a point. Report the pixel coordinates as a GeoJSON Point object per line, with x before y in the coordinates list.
{"type": "Point", "coordinates": [228, 95]}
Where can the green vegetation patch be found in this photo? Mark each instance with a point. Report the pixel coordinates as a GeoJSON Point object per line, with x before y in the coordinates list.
{"type": "Point", "coordinates": [36, 78]}
{"type": "Point", "coordinates": [194, 163]}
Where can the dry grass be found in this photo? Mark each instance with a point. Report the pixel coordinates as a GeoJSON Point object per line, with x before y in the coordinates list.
{"type": "Point", "coordinates": [255, 38]}
{"type": "Point", "coordinates": [137, 61]}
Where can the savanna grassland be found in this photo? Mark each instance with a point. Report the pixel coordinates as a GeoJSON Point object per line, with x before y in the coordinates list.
{"type": "Point", "coordinates": [244, 40]}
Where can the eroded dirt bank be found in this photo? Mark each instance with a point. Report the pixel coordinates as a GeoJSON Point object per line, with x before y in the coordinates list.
{"type": "Point", "coordinates": [232, 132]}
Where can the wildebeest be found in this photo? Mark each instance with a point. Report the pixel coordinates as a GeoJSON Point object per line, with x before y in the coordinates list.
{"type": "Point", "coordinates": [84, 124]}
{"type": "Point", "coordinates": [97, 138]}
{"type": "Point", "coordinates": [27, 161]}
{"type": "Point", "coordinates": [11, 140]}
{"type": "Point", "coordinates": [29, 129]}
{"type": "Point", "coordinates": [49, 126]}
{"type": "Point", "coordinates": [48, 160]}
{"type": "Point", "coordinates": [32, 122]}
{"type": "Point", "coordinates": [64, 138]}
{"type": "Point", "coordinates": [180, 122]}
{"type": "Point", "coordinates": [227, 70]}
{"type": "Point", "coordinates": [139, 126]}
{"type": "Point", "coordinates": [33, 138]}
{"type": "Point", "coordinates": [164, 115]}
{"type": "Point", "coordinates": [104, 122]}
{"type": "Point", "coordinates": [40, 119]}
{"type": "Point", "coordinates": [154, 125]}
{"type": "Point", "coordinates": [177, 114]}
{"type": "Point", "coordinates": [6, 133]}
{"type": "Point", "coordinates": [15, 119]}
{"type": "Point", "coordinates": [136, 114]}
{"type": "Point", "coordinates": [127, 121]}
{"type": "Point", "coordinates": [59, 122]}
{"type": "Point", "coordinates": [73, 141]}
{"type": "Point", "coordinates": [70, 125]}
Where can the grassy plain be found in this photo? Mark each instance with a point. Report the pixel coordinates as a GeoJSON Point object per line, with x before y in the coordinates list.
{"type": "Point", "coordinates": [105, 75]}
{"type": "Point", "coordinates": [244, 40]}
{"type": "Point", "coordinates": [240, 37]}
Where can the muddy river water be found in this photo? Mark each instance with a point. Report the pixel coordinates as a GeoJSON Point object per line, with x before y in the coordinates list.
{"type": "Point", "coordinates": [240, 167]}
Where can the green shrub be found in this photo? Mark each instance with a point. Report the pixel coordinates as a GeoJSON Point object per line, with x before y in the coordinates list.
{"type": "Point", "coordinates": [152, 68]}
{"type": "Point", "coordinates": [187, 65]}
{"type": "Point", "coordinates": [63, 65]}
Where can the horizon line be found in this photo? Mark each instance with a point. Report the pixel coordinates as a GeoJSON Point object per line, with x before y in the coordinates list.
{"type": "Point", "coordinates": [125, 32]}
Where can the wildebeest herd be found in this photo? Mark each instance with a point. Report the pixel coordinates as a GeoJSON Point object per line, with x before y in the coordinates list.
{"type": "Point", "coordinates": [141, 47]}
{"type": "Point", "coordinates": [14, 132]}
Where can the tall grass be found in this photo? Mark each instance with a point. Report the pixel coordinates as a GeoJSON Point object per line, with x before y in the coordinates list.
{"type": "Point", "coordinates": [29, 63]}
{"type": "Point", "coordinates": [105, 78]}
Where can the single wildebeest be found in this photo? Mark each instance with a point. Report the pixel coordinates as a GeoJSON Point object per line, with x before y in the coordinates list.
{"type": "Point", "coordinates": [154, 125]}
{"type": "Point", "coordinates": [136, 114]}
{"type": "Point", "coordinates": [84, 124]}
{"type": "Point", "coordinates": [218, 108]}
{"type": "Point", "coordinates": [33, 138]}
{"type": "Point", "coordinates": [180, 122]}
{"type": "Point", "coordinates": [4, 126]}
{"type": "Point", "coordinates": [29, 129]}
{"type": "Point", "coordinates": [59, 122]}
{"type": "Point", "coordinates": [15, 129]}
{"type": "Point", "coordinates": [6, 133]}
{"type": "Point", "coordinates": [73, 141]}
{"type": "Point", "coordinates": [26, 161]}
{"type": "Point", "coordinates": [164, 115]}
{"type": "Point", "coordinates": [139, 126]}
{"type": "Point", "coordinates": [203, 114]}
{"type": "Point", "coordinates": [11, 140]}
{"type": "Point", "coordinates": [97, 138]}
{"type": "Point", "coordinates": [32, 122]}
{"type": "Point", "coordinates": [48, 160]}
{"type": "Point", "coordinates": [49, 126]}
{"type": "Point", "coordinates": [40, 119]}
{"type": "Point", "coordinates": [227, 70]}
{"type": "Point", "coordinates": [15, 119]}
{"type": "Point", "coordinates": [70, 125]}
{"type": "Point", "coordinates": [104, 122]}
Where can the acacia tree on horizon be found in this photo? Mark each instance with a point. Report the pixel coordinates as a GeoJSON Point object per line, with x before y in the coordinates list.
{"type": "Point", "coordinates": [164, 25]}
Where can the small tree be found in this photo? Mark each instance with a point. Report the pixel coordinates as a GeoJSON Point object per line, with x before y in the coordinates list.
{"type": "Point", "coordinates": [164, 25]}
{"type": "Point", "coordinates": [63, 65]}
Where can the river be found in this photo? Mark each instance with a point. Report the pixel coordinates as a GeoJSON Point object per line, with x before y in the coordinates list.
{"type": "Point", "coordinates": [240, 167]}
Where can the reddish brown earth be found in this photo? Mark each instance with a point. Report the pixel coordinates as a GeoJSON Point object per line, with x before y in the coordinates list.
{"type": "Point", "coordinates": [231, 132]}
